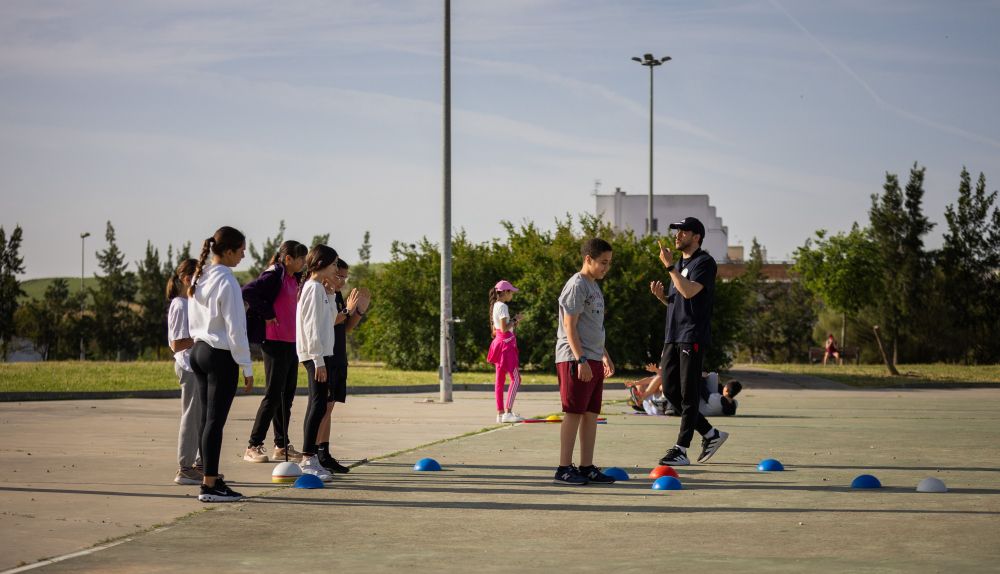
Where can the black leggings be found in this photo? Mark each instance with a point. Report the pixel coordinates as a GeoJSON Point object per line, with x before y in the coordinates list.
{"type": "Point", "coordinates": [681, 364]}
{"type": "Point", "coordinates": [281, 373]}
{"type": "Point", "coordinates": [218, 376]}
{"type": "Point", "coordinates": [319, 394]}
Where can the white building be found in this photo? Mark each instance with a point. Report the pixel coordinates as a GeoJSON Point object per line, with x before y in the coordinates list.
{"type": "Point", "coordinates": [623, 211]}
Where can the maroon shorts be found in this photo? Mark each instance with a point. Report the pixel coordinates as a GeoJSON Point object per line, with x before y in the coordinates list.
{"type": "Point", "coordinates": [577, 396]}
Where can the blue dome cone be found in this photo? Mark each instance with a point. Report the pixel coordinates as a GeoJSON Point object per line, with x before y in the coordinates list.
{"type": "Point", "coordinates": [308, 481]}
{"type": "Point", "coordinates": [770, 465]}
{"type": "Point", "coordinates": [667, 483]}
{"type": "Point", "coordinates": [616, 473]}
{"type": "Point", "coordinates": [866, 481]}
{"type": "Point", "coordinates": [427, 464]}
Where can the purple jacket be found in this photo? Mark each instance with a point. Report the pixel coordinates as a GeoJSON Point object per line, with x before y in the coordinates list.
{"type": "Point", "coordinates": [259, 295]}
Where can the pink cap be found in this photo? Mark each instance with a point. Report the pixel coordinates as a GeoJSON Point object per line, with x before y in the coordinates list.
{"type": "Point", "coordinates": [505, 285]}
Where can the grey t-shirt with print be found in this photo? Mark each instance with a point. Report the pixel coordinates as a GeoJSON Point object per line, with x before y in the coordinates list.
{"type": "Point", "coordinates": [583, 297]}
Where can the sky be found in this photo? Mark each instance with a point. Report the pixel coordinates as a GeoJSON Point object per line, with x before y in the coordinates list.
{"type": "Point", "coordinates": [171, 118]}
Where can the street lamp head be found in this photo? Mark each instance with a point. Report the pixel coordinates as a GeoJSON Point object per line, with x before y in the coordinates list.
{"type": "Point", "coordinates": [84, 235]}
{"type": "Point", "coordinates": [648, 57]}
{"type": "Point", "coordinates": [637, 59]}
{"type": "Point", "coordinates": [666, 59]}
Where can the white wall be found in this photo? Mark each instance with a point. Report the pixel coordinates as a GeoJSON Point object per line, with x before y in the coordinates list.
{"type": "Point", "coordinates": [623, 211]}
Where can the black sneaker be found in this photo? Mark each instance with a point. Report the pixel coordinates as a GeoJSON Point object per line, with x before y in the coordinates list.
{"type": "Point", "coordinates": [675, 457]}
{"type": "Point", "coordinates": [569, 475]}
{"type": "Point", "coordinates": [219, 493]}
{"type": "Point", "coordinates": [710, 445]}
{"type": "Point", "coordinates": [331, 463]}
{"type": "Point", "coordinates": [595, 476]}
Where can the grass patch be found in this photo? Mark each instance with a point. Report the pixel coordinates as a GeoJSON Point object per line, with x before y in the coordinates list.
{"type": "Point", "coordinates": [35, 288]}
{"type": "Point", "coordinates": [877, 376]}
{"type": "Point", "coordinates": [93, 376]}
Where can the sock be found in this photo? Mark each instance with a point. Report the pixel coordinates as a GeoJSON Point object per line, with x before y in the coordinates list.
{"type": "Point", "coordinates": [323, 446]}
{"type": "Point", "coordinates": [683, 449]}
{"type": "Point", "coordinates": [712, 433]}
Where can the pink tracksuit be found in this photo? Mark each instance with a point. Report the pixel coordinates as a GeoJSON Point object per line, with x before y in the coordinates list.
{"type": "Point", "coordinates": [503, 353]}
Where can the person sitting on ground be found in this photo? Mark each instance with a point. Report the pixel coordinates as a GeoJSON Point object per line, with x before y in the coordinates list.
{"type": "Point", "coordinates": [831, 349]}
{"type": "Point", "coordinates": [645, 395]}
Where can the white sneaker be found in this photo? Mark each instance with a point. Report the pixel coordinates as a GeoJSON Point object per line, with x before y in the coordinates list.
{"type": "Point", "coordinates": [499, 417]}
{"type": "Point", "coordinates": [511, 418]}
{"type": "Point", "coordinates": [312, 466]}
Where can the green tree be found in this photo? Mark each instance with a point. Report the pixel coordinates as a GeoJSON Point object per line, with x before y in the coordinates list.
{"type": "Point", "coordinates": [151, 298]}
{"type": "Point", "coordinates": [403, 323]}
{"type": "Point", "coordinates": [11, 265]}
{"type": "Point", "coordinates": [756, 330]}
{"type": "Point", "coordinates": [898, 226]}
{"type": "Point", "coordinates": [323, 239]}
{"type": "Point", "coordinates": [47, 322]}
{"type": "Point", "coordinates": [268, 249]}
{"type": "Point", "coordinates": [844, 271]}
{"type": "Point", "coordinates": [969, 260]}
{"type": "Point", "coordinates": [114, 316]}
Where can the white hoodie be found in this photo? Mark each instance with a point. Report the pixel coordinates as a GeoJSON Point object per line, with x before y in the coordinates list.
{"type": "Point", "coordinates": [216, 314]}
{"type": "Point", "coordinates": [314, 317]}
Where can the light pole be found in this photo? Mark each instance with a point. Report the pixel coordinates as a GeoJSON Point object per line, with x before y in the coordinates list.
{"type": "Point", "coordinates": [83, 299]}
{"type": "Point", "coordinates": [446, 325]}
{"type": "Point", "coordinates": [649, 61]}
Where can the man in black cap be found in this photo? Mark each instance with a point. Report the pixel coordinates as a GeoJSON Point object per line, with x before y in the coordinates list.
{"type": "Point", "coordinates": [689, 302]}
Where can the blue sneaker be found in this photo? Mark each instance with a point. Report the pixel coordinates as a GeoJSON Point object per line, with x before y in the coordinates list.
{"type": "Point", "coordinates": [569, 475]}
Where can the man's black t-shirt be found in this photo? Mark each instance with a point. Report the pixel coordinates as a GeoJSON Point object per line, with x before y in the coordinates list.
{"type": "Point", "coordinates": [689, 320]}
{"type": "Point", "coordinates": [340, 334]}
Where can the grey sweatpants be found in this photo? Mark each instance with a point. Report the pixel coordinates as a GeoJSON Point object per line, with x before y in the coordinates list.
{"type": "Point", "coordinates": [192, 420]}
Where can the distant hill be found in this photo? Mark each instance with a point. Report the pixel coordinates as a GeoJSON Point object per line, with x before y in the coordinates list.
{"type": "Point", "coordinates": [35, 288]}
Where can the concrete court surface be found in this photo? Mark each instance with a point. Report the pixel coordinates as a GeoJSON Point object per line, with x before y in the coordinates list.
{"type": "Point", "coordinates": [494, 507]}
{"type": "Point", "coordinates": [75, 473]}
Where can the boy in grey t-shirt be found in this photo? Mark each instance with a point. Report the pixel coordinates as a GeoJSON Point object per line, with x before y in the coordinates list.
{"type": "Point", "coordinates": [582, 363]}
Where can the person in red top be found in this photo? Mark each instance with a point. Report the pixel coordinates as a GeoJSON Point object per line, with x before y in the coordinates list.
{"type": "Point", "coordinates": [831, 350]}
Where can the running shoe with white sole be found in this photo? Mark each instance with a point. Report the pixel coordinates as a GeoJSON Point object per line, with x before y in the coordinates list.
{"type": "Point", "coordinates": [311, 465]}
{"type": "Point", "coordinates": [675, 457]}
{"type": "Point", "coordinates": [220, 492]}
{"type": "Point", "coordinates": [511, 418]}
{"type": "Point", "coordinates": [709, 446]}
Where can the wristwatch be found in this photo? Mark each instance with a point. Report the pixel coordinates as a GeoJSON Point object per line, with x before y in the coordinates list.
{"type": "Point", "coordinates": [670, 268]}
{"type": "Point", "coordinates": [582, 360]}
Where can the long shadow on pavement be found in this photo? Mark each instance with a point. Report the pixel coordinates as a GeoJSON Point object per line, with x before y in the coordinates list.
{"type": "Point", "coordinates": [494, 505]}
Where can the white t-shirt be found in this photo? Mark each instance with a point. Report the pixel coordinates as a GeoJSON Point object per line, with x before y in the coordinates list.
{"type": "Point", "coordinates": [177, 328]}
{"type": "Point", "coordinates": [500, 311]}
{"type": "Point", "coordinates": [713, 408]}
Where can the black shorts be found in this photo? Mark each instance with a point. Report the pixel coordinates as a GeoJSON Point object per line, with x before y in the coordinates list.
{"type": "Point", "coordinates": [337, 378]}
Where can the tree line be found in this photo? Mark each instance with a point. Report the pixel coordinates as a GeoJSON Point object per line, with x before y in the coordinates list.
{"type": "Point", "coordinates": [929, 305]}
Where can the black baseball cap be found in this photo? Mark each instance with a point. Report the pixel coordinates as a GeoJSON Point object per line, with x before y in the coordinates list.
{"type": "Point", "coordinates": [690, 224]}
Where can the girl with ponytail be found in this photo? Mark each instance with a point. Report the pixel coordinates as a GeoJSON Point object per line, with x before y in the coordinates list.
{"type": "Point", "coordinates": [217, 322]}
{"type": "Point", "coordinates": [271, 301]}
{"type": "Point", "coordinates": [315, 338]}
{"type": "Point", "coordinates": [179, 338]}
{"type": "Point", "coordinates": [503, 350]}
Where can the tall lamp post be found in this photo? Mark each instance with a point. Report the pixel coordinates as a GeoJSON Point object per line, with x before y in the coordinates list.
{"type": "Point", "coordinates": [446, 324]}
{"type": "Point", "coordinates": [83, 240]}
{"type": "Point", "coordinates": [649, 61]}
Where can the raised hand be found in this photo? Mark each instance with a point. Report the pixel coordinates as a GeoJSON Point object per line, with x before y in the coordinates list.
{"type": "Point", "coordinates": [657, 289]}
{"type": "Point", "coordinates": [666, 255]}
{"type": "Point", "coordinates": [352, 300]}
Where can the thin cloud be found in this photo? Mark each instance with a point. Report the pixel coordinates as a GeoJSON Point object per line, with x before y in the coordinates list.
{"type": "Point", "coordinates": [947, 128]}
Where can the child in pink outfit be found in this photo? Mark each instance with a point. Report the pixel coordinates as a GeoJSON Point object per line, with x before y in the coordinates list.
{"type": "Point", "coordinates": [503, 350]}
